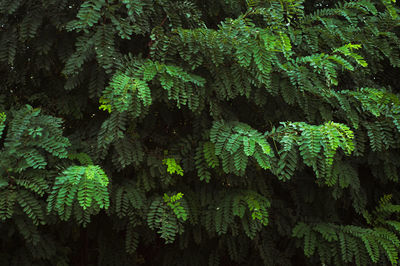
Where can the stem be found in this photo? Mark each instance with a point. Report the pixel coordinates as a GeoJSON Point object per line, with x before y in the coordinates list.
{"type": "Point", "coordinates": [151, 42]}
{"type": "Point", "coordinates": [248, 12]}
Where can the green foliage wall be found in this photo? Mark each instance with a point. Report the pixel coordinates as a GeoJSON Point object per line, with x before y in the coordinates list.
{"type": "Point", "coordinates": [228, 132]}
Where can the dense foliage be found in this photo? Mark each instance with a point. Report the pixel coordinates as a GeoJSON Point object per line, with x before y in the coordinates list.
{"type": "Point", "coordinates": [226, 132]}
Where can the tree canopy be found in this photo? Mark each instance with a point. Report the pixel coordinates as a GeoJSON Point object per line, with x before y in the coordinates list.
{"type": "Point", "coordinates": [226, 132]}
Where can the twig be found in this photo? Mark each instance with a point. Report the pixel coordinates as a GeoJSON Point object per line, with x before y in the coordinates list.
{"type": "Point", "coordinates": [151, 42]}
